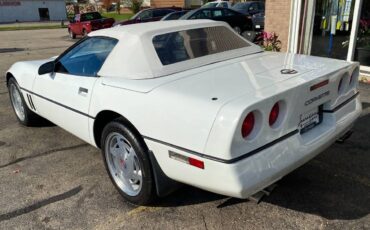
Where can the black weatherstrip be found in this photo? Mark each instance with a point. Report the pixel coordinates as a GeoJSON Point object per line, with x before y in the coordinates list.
{"type": "Point", "coordinates": [251, 153]}
{"type": "Point", "coordinates": [57, 103]}
{"type": "Point", "coordinates": [341, 105]}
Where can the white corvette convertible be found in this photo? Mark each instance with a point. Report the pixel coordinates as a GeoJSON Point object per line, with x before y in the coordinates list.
{"type": "Point", "coordinates": [190, 102]}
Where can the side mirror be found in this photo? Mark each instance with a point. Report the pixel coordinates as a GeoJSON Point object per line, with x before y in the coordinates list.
{"type": "Point", "coordinates": [47, 67]}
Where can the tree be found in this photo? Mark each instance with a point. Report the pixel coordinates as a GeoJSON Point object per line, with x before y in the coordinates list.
{"type": "Point", "coordinates": [118, 6]}
{"type": "Point", "coordinates": [107, 3]}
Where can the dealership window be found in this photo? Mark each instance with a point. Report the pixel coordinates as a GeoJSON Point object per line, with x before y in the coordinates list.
{"type": "Point", "coordinates": [332, 28]}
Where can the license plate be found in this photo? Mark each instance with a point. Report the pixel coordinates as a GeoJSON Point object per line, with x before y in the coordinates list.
{"type": "Point", "coordinates": [258, 26]}
{"type": "Point", "coordinates": [309, 120]}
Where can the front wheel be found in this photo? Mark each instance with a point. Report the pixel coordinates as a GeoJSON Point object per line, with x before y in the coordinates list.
{"type": "Point", "coordinates": [24, 115]}
{"type": "Point", "coordinates": [127, 162]}
{"type": "Point", "coordinates": [71, 34]}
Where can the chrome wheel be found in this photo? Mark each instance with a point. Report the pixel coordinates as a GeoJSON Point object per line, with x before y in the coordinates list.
{"type": "Point", "coordinates": [17, 102]}
{"type": "Point", "coordinates": [123, 164]}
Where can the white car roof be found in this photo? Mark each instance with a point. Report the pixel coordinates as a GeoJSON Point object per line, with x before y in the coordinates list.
{"type": "Point", "coordinates": [134, 56]}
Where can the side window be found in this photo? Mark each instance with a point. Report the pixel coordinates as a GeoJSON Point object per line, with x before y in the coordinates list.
{"type": "Point", "coordinates": [217, 13]}
{"type": "Point", "coordinates": [229, 12]}
{"type": "Point", "coordinates": [223, 4]}
{"type": "Point", "coordinates": [202, 14]}
{"type": "Point", "coordinates": [161, 13]}
{"type": "Point", "coordinates": [146, 15]}
{"type": "Point", "coordinates": [87, 57]}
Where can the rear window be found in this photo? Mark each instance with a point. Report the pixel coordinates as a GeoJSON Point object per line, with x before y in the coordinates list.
{"type": "Point", "coordinates": [189, 44]}
{"type": "Point", "coordinates": [90, 16]}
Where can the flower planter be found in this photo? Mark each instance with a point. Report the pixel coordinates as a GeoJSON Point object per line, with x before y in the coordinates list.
{"type": "Point", "coordinates": [362, 55]}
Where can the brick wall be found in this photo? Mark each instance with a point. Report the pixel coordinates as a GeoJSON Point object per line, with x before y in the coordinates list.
{"type": "Point", "coordinates": [167, 3]}
{"type": "Point", "coordinates": [277, 19]}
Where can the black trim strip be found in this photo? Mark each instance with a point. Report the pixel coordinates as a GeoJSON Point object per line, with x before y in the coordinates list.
{"type": "Point", "coordinates": [31, 102]}
{"type": "Point", "coordinates": [341, 105]}
{"type": "Point", "coordinates": [251, 153]}
{"type": "Point", "coordinates": [57, 103]}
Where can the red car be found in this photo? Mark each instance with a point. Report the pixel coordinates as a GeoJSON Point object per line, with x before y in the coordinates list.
{"type": "Point", "coordinates": [84, 23]}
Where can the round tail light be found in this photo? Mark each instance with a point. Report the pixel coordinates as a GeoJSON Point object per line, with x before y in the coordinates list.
{"type": "Point", "coordinates": [274, 114]}
{"type": "Point", "coordinates": [248, 125]}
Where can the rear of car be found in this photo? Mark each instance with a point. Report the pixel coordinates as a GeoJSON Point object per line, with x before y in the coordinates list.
{"type": "Point", "coordinates": [246, 121]}
{"type": "Point", "coordinates": [272, 120]}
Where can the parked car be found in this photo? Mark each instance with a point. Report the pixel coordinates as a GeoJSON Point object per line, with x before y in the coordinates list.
{"type": "Point", "coordinates": [250, 8]}
{"type": "Point", "coordinates": [258, 21]}
{"type": "Point", "coordinates": [190, 102]}
{"type": "Point", "coordinates": [223, 4]}
{"type": "Point", "coordinates": [174, 15]}
{"type": "Point", "coordinates": [149, 15]}
{"type": "Point", "coordinates": [236, 20]}
{"type": "Point", "coordinates": [82, 24]}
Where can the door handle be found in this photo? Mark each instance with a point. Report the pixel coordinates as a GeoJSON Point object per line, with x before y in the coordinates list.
{"type": "Point", "coordinates": [82, 91]}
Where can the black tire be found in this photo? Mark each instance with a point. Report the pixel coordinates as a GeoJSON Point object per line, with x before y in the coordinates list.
{"type": "Point", "coordinates": [71, 34]}
{"type": "Point", "coordinates": [147, 192]}
{"type": "Point", "coordinates": [84, 33]}
{"type": "Point", "coordinates": [30, 118]}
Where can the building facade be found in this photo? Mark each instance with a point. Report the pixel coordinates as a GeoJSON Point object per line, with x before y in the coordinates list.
{"type": "Point", "coordinates": [327, 28]}
{"type": "Point", "coordinates": [32, 10]}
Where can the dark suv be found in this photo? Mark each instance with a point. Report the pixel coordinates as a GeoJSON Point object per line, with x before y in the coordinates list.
{"type": "Point", "coordinates": [150, 15]}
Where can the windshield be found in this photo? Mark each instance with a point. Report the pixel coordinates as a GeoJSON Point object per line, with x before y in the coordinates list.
{"type": "Point", "coordinates": [187, 15]}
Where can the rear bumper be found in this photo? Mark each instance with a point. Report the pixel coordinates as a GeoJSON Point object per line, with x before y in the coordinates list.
{"type": "Point", "coordinates": [250, 175]}
{"type": "Point", "coordinates": [262, 169]}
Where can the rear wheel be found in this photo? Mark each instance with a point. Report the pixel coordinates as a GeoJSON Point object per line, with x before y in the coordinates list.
{"type": "Point", "coordinates": [84, 32]}
{"type": "Point", "coordinates": [127, 162]}
{"type": "Point", "coordinates": [24, 115]}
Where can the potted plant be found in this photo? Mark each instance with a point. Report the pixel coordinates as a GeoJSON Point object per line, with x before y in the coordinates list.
{"type": "Point", "coordinates": [269, 41]}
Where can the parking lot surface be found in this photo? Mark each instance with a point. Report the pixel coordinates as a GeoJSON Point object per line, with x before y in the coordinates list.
{"type": "Point", "coordinates": [50, 179]}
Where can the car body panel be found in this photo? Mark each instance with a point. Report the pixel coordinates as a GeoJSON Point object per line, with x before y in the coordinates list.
{"type": "Point", "coordinates": [233, 18]}
{"type": "Point", "coordinates": [198, 111]}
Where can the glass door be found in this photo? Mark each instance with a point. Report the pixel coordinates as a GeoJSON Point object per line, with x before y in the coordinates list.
{"type": "Point", "coordinates": [332, 28]}
{"type": "Point", "coordinates": [362, 47]}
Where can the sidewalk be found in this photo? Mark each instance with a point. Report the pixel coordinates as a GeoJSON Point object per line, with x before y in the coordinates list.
{"type": "Point", "coordinates": [33, 25]}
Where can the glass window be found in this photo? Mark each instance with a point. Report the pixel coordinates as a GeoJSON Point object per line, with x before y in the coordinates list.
{"type": "Point", "coordinates": [202, 14]}
{"type": "Point", "coordinates": [146, 14]}
{"type": "Point", "coordinates": [161, 13]}
{"type": "Point", "coordinates": [189, 44]}
{"type": "Point", "coordinates": [90, 16]}
{"type": "Point", "coordinates": [223, 4]}
{"type": "Point", "coordinates": [217, 13]}
{"type": "Point", "coordinates": [362, 52]}
{"type": "Point", "coordinates": [87, 57]}
{"type": "Point", "coordinates": [229, 12]}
